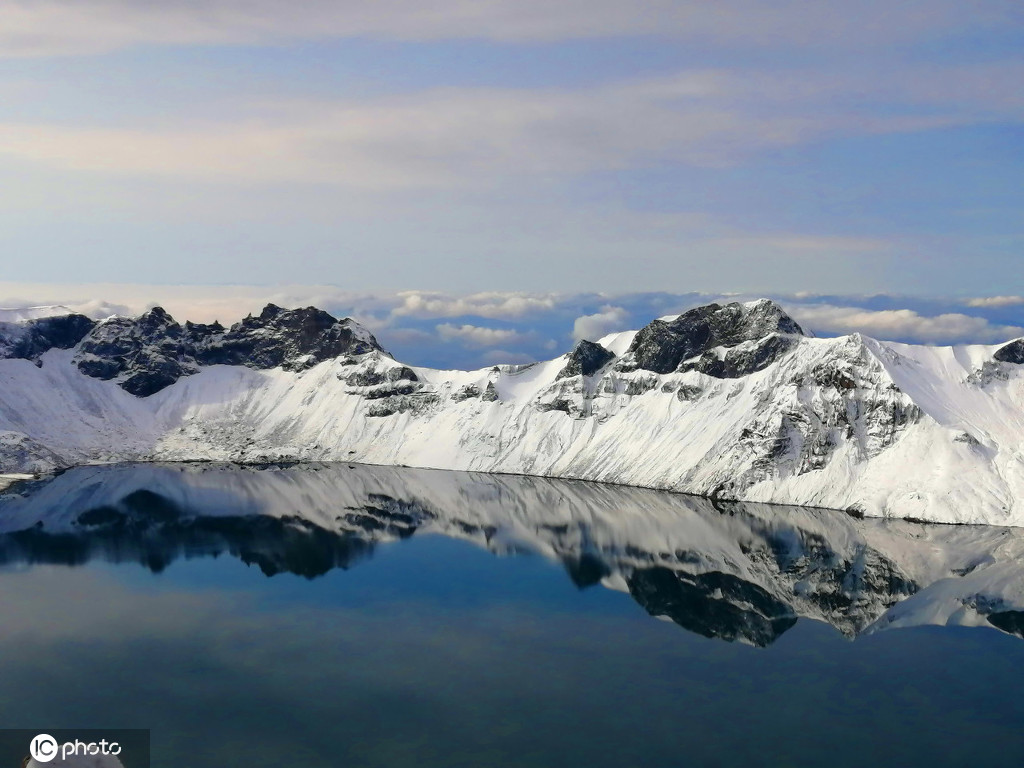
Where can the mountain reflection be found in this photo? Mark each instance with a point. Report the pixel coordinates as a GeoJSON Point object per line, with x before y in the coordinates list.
{"type": "Point", "coordinates": [737, 572]}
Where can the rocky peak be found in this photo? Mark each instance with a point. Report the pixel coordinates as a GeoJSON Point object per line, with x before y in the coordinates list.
{"type": "Point", "coordinates": [29, 339]}
{"type": "Point", "coordinates": [663, 345]}
{"type": "Point", "coordinates": [586, 359]}
{"type": "Point", "coordinates": [152, 351]}
{"type": "Point", "coordinates": [1011, 353]}
{"type": "Point", "coordinates": [294, 339]}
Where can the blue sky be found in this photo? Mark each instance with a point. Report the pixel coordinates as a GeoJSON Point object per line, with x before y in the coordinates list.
{"type": "Point", "coordinates": [574, 148]}
{"type": "Point", "coordinates": [515, 145]}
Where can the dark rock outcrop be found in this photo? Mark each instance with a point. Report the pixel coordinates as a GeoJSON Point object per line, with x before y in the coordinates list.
{"type": "Point", "coordinates": [152, 351]}
{"type": "Point", "coordinates": [586, 359]}
{"type": "Point", "coordinates": [1011, 353]}
{"type": "Point", "coordinates": [742, 360]}
{"type": "Point", "coordinates": [294, 339]}
{"type": "Point", "coordinates": [149, 352]}
{"type": "Point", "coordinates": [662, 345]}
{"type": "Point", "coordinates": [29, 340]}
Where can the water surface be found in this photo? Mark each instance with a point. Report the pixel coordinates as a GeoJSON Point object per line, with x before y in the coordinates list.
{"type": "Point", "coordinates": [367, 616]}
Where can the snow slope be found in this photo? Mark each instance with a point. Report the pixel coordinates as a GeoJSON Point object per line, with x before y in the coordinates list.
{"type": "Point", "coordinates": [755, 411]}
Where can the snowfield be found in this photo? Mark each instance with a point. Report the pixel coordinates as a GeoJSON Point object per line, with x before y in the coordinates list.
{"type": "Point", "coordinates": [766, 415]}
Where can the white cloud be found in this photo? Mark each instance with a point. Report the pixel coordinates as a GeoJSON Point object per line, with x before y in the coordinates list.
{"type": "Point", "coordinates": [593, 327]}
{"type": "Point", "coordinates": [803, 244]}
{"type": "Point", "coordinates": [906, 324]}
{"type": "Point", "coordinates": [478, 137]}
{"type": "Point", "coordinates": [54, 27]}
{"type": "Point", "coordinates": [199, 303]}
{"type": "Point", "coordinates": [495, 305]}
{"type": "Point", "coordinates": [996, 301]}
{"type": "Point", "coordinates": [394, 318]}
{"type": "Point", "coordinates": [479, 336]}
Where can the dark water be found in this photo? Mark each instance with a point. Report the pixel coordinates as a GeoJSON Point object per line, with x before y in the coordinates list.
{"type": "Point", "coordinates": [336, 616]}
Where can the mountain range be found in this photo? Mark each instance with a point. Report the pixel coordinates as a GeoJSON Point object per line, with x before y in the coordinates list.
{"type": "Point", "coordinates": [726, 401]}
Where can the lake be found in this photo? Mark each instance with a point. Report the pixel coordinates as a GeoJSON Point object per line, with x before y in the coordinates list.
{"type": "Point", "coordinates": [343, 615]}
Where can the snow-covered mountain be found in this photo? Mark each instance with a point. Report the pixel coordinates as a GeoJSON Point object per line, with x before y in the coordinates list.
{"type": "Point", "coordinates": [729, 570]}
{"type": "Point", "coordinates": [726, 401]}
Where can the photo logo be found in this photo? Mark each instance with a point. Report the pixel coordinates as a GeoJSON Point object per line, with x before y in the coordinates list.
{"type": "Point", "coordinates": [43, 748]}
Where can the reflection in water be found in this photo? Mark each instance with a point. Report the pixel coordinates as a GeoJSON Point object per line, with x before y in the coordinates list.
{"type": "Point", "coordinates": [738, 572]}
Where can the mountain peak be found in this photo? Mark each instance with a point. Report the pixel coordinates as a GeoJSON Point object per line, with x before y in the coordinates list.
{"type": "Point", "coordinates": [663, 345]}
{"type": "Point", "coordinates": [586, 359]}
{"type": "Point", "coordinates": [152, 351]}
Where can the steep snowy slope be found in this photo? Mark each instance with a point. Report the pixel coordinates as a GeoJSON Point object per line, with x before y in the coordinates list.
{"type": "Point", "coordinates": [729, 570]}
{"type": "Point", "coordinates": [730, 402]}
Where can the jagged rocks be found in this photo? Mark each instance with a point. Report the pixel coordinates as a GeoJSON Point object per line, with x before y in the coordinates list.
{"type": "Point", "coordinates": [152, 351]}
{"type": "Point", "coordinates": [293, 339]}
{"type": "Point", "coordinates": [586, 359]}
{"type": "Point", "coordinates": [415, 401]}
{"type": "Point", "coordinates": [1011, 353]}
{"type": "Point", "coordinates": [372, 377]}
{"type": "Point", "coordinates": [744, 359]}
{"type": "Point", "coordinates": [30, 339]}
{"type": "Point", "coordinates": [468, 392]}
{"type": "Point", "coordinates": [148, 353]}
{"type": "Point", "coordinates": [662, 345]}
{"type": "Point", "coordinates": [687, 393]}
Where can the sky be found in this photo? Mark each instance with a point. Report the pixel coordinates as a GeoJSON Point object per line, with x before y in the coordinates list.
{"type": "Point", "coordinates": [594, 151]}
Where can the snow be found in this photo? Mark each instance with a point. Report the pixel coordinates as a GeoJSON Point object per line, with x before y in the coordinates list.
{"type": "Point", "coordinates": [933, 433]}
{"type": "Point", "coordinates": [617, 343]}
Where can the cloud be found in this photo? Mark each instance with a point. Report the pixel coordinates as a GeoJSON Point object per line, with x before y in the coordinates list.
{"type": "Point", "coordinates": [478, 336]}
{"type": "Point", "coordinates": [481, 137]}
{"type": "Point", "coordinates": [996, 301]}
{"type": "Point", "coordinates": [803, 244]}
{"type": "Point", "coordinates": [593, 327]}
{"type": "Point", "coordinates": [57, 27]}
{"type": "Point", "coordinates": [496, 305]}
{"type": "Point", "coordinates": [902, 324]}
{"type": "Point", "coordinates": [535, 326]}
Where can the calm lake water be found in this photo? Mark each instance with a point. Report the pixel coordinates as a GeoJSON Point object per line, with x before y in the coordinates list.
{"type": "Point", "coordinates": [367, 616]}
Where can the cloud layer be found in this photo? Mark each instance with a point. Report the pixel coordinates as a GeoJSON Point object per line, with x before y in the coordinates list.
{"type": "Point", "coordinates": [473, 137]}
{"type": "Point", "coordinates": [53, 27]}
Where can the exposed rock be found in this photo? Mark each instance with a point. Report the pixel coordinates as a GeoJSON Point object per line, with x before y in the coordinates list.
{"type": "Point", "coordinates": [399, 402]}
{"type": "Point", "coordinates": [744, 359]}
{"type": "Point", "coordinates": [152, 351]}
{"type": "Point", "coordinates": [586, 359]}
{"type": "Point", "coordinates": [640, 385]}
{"type": "Point", "coordinates": [561, 404]}
{"type": "Point", "coordinates": [293, 339]}
{"type": "Point", "coordinates": [1011, 353]}
{"type": "Point", "coordinates": [490, 393]}
{"type": "Point", "coordinates": [30, 339]}
{"type": "Point", "coordinates": [662, 345]}
{"type": "Point", "coordinates": [468, 392]}
{"type": "Point", "coordinates": [687, 393]}
{"type": "Point", "coordinates": [148, 353]}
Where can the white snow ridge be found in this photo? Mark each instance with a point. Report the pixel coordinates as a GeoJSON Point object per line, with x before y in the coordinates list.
{"type": "Point", "coordinates": [727, 401]}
